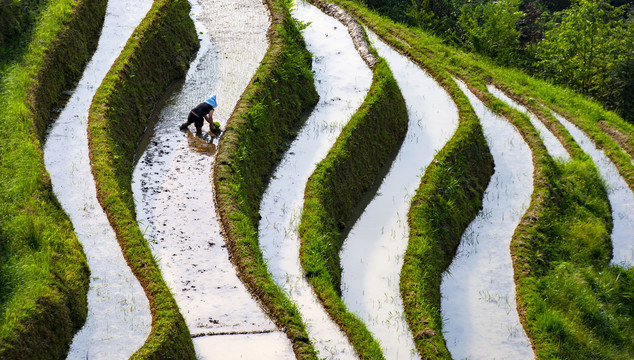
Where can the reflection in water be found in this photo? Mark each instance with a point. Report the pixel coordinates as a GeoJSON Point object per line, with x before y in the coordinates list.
{"type": "Point", "coordinates": [119, 318]}
{"type": "Point", "coordinates": [480, 320]}
{"type": "Point", "coordinates": [619, 193]}
{"type": "Point", "coordinates": [201, 143]}
{"type": "Point", "coordinates": [342, 80]}
{"type": "Point", "coordinates": [372, 254]}
{"type": "Point", "coordinates": [553, 145]}
{"type": "Point", "coordinates": [174, 195]}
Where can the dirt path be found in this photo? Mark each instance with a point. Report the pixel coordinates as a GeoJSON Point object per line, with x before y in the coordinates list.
{"type": "Point", "coordinates": [619, 193]}
{"type": "Point", "coordinates": [173, 192]}
{"type": "Point", "coordinates": [342, 79]}
{"type": "Point", "coordinates": [118, 311]}
{"type": "Point", "coordinates": [372, 254]}
{"type": "Point", "coordinates": [478, 291]}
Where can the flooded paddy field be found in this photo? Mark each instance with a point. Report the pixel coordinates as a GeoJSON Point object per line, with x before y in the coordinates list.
{"type": "Point", "coordinates": [342, 80]}
{"type": "Point", "coordinates": [372, 253]}
{"type": "Point", "coordinates": [619, 193]}
{"type": "Point", "coordinates": [174, 195]}
{"type": "Point", "coordinates": [555, 149]}
{"type": "Point", "coordinates": [118, 311]}
{"type": "Point", "coordinates": [478, 290]}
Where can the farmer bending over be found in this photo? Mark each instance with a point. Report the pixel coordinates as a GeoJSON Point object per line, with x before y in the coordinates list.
{"type": "Point", "coordinates": [198, 115]}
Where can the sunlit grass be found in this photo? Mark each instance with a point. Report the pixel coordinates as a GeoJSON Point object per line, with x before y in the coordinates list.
{"type": "Point", "coordinates": [43, 273]}
{"type": "Point", "coordinates": [559, 207]}
{"type": "Point", "coordinates": [255, 138]}
{"type": "Point", "coordinates": [353, 166]}
{"type": "Point", "coordinates": [117, 120]}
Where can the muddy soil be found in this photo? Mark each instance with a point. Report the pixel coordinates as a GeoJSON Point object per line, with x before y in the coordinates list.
{"type": "Point", "coordinates": [119, 317]}
{"type": "Point", "coordinates": [619, 137]}
{"type": "Point", "coordinates": [174, 195]}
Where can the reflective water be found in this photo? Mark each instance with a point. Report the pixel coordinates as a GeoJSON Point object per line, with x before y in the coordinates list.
{"type": "Point", "coordinates": [553, 145]}
{"type": "Point", "coordinates": [342, 80]}
{"type": "Point", "coordinates": [619, 193]}
{"type": "Point", "coordinates": [480, 320]}
{"type": "Point", "coordinates": [119, 317]}
{"type": "Point", "coordinates": [174, 195]}
{"type": "Point", "coordinates": [372, 254]}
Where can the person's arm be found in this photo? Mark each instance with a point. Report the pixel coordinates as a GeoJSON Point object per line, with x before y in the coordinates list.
{"type": "Point", "coordinates": [210, 119]}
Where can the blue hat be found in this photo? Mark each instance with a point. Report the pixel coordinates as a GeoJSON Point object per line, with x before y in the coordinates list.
{"type": "Point", "coordinates": [212, 101]}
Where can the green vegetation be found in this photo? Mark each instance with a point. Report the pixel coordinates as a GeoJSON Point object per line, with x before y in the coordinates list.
{"type": "Point", "coordinates": [584, 44]}
{"type": "Point", "coordinates": [254, 139]}
{"type": "Point", "coordinates": [568, 210]}
{"type": "Point", "coordinates": [157, 53]}
{"type": "Point", "coordinates": [367, 144]}
{"type": "Point", "coordinates": [447, 200]}
{"type": "Point", "coordinates": [561, 252]}
{"type": "Point", "coordinates": [16, 27]}
{"type": "Point", "coordinates": [43, 272]}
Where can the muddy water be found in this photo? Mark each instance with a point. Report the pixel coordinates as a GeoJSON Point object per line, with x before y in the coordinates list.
{"type": "Point", "coordinates": [342, 80]}
{"type": "Point", "coordinates": [119, 317]}
{"type": "Point", "coordinates": [553, 145]}
{"type": "Point", "coordinates": [174, 196]}
{"type": "Point", "coordinates": [478, 291]}
{"type": "Point", "coordinates": [372, 254]}
{"type": "Point", "coordinates": [620, 196]}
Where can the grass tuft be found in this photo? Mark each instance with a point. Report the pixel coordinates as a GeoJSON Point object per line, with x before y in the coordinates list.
{"type": "Point", "coordinates": [255, 137]}
{"type": "Point", "coordinates": [117, 119]}
{"type": "Point", "coordinates": [43, 272]}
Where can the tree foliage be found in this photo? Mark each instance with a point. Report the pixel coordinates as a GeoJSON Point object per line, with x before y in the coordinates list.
{"type": "Point", "coordinates": [490, 28]}
{"type": "Point", "coordinates": [592, 50]}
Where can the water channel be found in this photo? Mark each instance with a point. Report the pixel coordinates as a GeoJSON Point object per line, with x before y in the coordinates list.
{"type": "Point", "coordinates": [372, 254]}
{"type": "Point", "coordinates": [480, 319]}
{"type": "Point", "coordinates": [342, 80]}
{"type": "Point", "coordinates": [119, 317]}
{"type": "Point", "coordinates": [174, 195]}
{"type": "Point", "coordinates": [619, 193]}
{"type": "Point", "coordinates": [553, 145]}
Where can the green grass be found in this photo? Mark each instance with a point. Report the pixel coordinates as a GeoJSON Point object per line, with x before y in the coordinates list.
{"type": "Point", "coordinates": [16, 28]}
{"type": "Point", "coordinates": [562, 246]}
{"type": "Point", "coordinates": [118, 116]}
{"type": "Point", "coordinates": [576, 304]}
{"type": "Point", "coordinates": [446, 201]}
{"type": "Point", "coordinates": [255, 137]}
{"type": "Point", "coordinates": [43, 272]}
{"type": "Point", "coordinates": [366, 145]}
{"type": "Point", "coordinates": [571, 212]}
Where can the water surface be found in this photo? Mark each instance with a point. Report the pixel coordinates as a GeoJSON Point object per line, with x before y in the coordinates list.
{"type": "Point", "coordinates": [342, 80]}
{"type": "Point", "coordinates": [119, 317]}
{"type": "Point", "coordinates": [372, 253]}
{"type": "Point", "coordinates": [174, 196]}
{"type": "Point", "coordinates": [480, 320]}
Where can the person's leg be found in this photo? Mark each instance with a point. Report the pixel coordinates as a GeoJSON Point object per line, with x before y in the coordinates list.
{"type": "Point", "coordinates": [199, 124]}
{"type": "Point", "coordinates": [190, 119]}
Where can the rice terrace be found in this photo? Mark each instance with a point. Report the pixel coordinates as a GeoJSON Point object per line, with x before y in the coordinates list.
{"type": "Point", "coordinates": [316, 179]}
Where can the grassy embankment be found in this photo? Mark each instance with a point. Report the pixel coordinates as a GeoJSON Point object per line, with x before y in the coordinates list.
{"type": "Point", "coordinates": [43, 272]}
{"type": "Point", "coordinates": [16, 28]}
{"type": "Point", "coordinates": [561, 249]}
{"type": "Point", "coordinates": [255, 137]}
{"type": "Point", "coordinates": [446, 201]}
{"type": "Point", "coordinates": [572, 303]}
{"type": "Point", "coordinates": [354, 165]}
{"type": "Point", "coordinates": [157, 53]}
